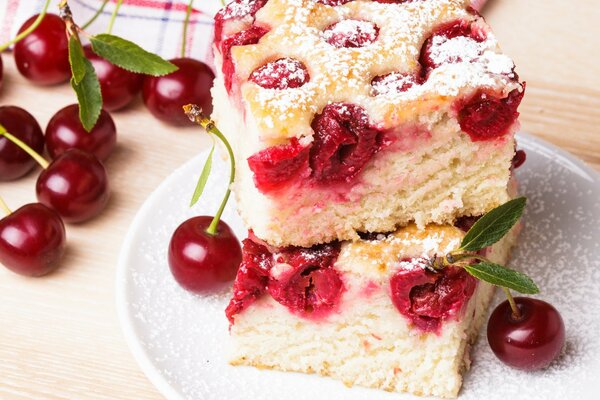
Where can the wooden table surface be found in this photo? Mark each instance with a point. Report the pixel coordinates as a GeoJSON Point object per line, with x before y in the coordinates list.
{"type": "Point", "coordinates": [59, 335]}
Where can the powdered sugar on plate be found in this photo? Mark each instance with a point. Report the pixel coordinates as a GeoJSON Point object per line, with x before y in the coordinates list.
{"type": "Point", "coordinates": [180, 339]}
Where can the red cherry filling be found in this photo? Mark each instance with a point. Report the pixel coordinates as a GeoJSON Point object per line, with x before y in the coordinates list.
{"type": "Point", "coordinates": [309, 285]}
{"type": "Point", "coordinates": [485, 117]}
{"type": "Point", "coordinates": [305, 281]}
{"type": "Point", "coordinates": [277, 165]}
{"type": "Point", "coordinates": [285, 73]}
{"type": "Point", "coordinates": [351, 33]}
{"type": "Point", "coordinates": [333, 3]}
{"type": "Point", "coordinates": [237, 9]}
{"type": "Point", "coordinates": [344, 142]}
{"type": "Point", "coordinates": [439, 49]}
{"type": "Point", "coordinates": [394, 82]}
{"type": "Point", "coordinates": [428, 299]}
{"type": "Point", "coordinates": [243, 38]}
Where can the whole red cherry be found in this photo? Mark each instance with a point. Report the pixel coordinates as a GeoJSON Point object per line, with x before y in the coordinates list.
{"type": "Point", "coordinates": [165, 95]}
{"type": "Point", "coordinates": [65, 132]}
{"type": "Point", "coordinates": [43, 55]}
{"type": "Point", "coordinates": [75, 185]}
{"type": "Point", "coordinates": [201, 262]}
{"type": "Point", "coordinates": [529, 341]}
{"type": "Point", "coordinates": [32, 240]}
{"type": "Point", "coordinates": [118, 86]}
{"type": "Point", "coordinates": [14, 162]}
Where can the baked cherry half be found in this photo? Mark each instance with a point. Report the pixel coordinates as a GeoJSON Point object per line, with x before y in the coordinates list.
{"type": "Point", "coordinates": [236, 10]}
{"type": "Point", "coordinates": [32, 240]}
{"type": "Point", "coordinates": [486, 117]}
{"type": "Point", "coordinates": [165, 95]}
{"type": "Point", "coordinates": [394, 82]}
{"type": "Point", "coordinates": [15, 162]}
{"type": "Point", "coordinates": [43, 55]}
{"type": "Point", "coordinates": [344, 141]}
{"type": "Point", "coordinates": [200, 261]}
{"type": "Point", "coordinates": [441, 48]}
{"type": "Point", "coordinates": [243, 38]}
{"type": "Point", "coordinates": [529, 341]}
{"type": "Point", "coordinates": [75, 185]}
{"type": "Point", "coordinates": [284, 73]}
{"type": "Point", "coordinates": [428, 299]}
{"type": "Point", "coordinates": [65, 132]}
{"type": "Point", "coordinates": [118, 86]}
{"type": "Point", "coordinates": [351, 33]}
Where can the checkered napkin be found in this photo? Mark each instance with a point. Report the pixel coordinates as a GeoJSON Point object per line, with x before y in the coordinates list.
{"type": "Point", "coordinates": [156, 25]}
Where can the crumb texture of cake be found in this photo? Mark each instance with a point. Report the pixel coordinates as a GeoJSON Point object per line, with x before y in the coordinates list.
{"type": "Point", "coordinates": [364, 339]}
{"type": "Point", "coordinates": [362, 116]}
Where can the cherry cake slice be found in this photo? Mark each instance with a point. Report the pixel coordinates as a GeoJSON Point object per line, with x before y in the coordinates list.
{"type": "Point", "coordinates": [350, 116]}
{"type": "Point", "coordinates": [364, 312]}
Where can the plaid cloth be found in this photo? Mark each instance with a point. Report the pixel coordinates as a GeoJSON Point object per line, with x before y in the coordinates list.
{"type": "Point", "coordinates": [156, 25]}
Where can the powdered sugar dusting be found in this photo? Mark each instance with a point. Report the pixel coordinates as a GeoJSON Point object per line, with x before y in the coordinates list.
{"type": "Point", "coordinates": [350, 33]}
{"type": "Point", "coordinates": [183, 337]}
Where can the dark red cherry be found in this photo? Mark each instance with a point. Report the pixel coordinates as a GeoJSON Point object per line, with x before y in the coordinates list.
{"type": "Point", "coordinates": [530, 342]}
{"type": "Point", "coordinates": [43, 56]}
{"type": "Point", "coordinates": [14, 162]}
{"type": "Point", "coordinates": [519, 158]}
{"type": "Point", "coordinates": [65, 132]}
{"type": "Point", "coordinates": [119, 87]}
{"type": "Point", "coordinates": [394, 82]}
{"type": "Point", "coordinates": [75, 185]}
{"type": "Point", "coordinates": [201, 262]}
{"type": "Point", "coordinates": [333, 3]}
{"type": "Point", "coordinates": [32, 240]}
{"type": "Point", "coordinates": [344, 142]}
{"type": "Point", "coordinates": [276, 166]}
{"type": "Point", "coordinates": [351, 33]}
{"type": "Point", "coordinates": [243, 38]}
{"type": "Point", "coordinates": [235, 10]}
{"type": "Point", "coordinates": [190, 84]}
{"type": "Point", "coordinates": [284, 73]}
{"type": "Point", "coordinates": [486, 117]}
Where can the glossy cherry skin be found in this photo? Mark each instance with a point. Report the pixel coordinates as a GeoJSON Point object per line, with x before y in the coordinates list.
{"type": "Point", "coordinates": [14, 162]}
{"type": "Point", "coordinates": [43, 56]}
{"type": "Point", "coordinates": [75, 185]}
{"type": "Point", "coordinates": [201, 262]}
{"type": "Point", "coordinates": [65, 132]}
{"type": "Point", "coordinates": [119, 87]}
{"type": "Point", "coordinates": [32, 240]}
{"type": "Point", "coordinates": [190, 84]}
{"type": "Point", "coordinates": [531, 342]}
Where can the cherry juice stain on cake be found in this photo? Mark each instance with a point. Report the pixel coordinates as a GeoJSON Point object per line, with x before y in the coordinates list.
{"type": "Point", "coordinates": [284, 73]}
{"type": "Point", "coordinates": [457, 41]}
{"type": "Point", "coordinates": [486, 117]}
{"type": "Point", "coordinates": [301, 279]}
{"type": "Point", "coordinates": [344, 142]}
{"type": "Point", "coordinates": [428, 299]}
{"type": "Point", "coordinates": [243, 38]}
{"type": "Point", "coordinates": [351, 33]}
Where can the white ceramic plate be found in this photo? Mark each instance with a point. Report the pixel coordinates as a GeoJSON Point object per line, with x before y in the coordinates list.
{"type": "Point", "coordinates": [180, 339]}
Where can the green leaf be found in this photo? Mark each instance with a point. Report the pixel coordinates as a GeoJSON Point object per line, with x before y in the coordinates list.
{"type": "Point", "coordinates": [89, 96]}
{"type": "Point", "coordinates": [130, 56]}
{"type": "Point", "coordinates": [494, 225]}
{"type": "Point", "coordinates": [76, 58]}
{"type": "Point", "coordinates": [203, 177]}
{"type": "Point", "coordinates": [502, 276]}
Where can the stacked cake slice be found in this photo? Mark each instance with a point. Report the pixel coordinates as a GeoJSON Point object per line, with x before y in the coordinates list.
{"type": "Point", "coordinates": [362, 130]}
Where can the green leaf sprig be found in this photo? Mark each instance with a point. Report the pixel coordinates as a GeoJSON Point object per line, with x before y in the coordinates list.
{"type": "Point", "coordinates": [489, 229]}
{"type": "Point", "coordinates": [116, 50]}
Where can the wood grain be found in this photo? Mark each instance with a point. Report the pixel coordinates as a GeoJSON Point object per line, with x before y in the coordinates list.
{"type": "Point", "coordinates": [59, 335]}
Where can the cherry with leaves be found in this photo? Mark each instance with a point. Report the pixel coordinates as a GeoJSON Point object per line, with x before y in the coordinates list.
{"type": "Point", "coordinates": [191, 83]}
{"type": "Point", "coordinates": [32, 239]}
{"type": "Point", "coordinates": [523, 332]}
{"type": "Point", "coordinates": [204, 252]}
{"type": "Point", "coordinates": [75, 184]}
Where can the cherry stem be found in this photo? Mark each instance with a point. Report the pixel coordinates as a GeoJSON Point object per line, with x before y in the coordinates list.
{"type": "Point", "coordinates": [27, 31]}
{"type": "Point", "coordinates": [4, 207]}
{"type": "Point", "coordinates": [95, 16]}
{"type": "Point", "coordinates": [113, 17]}
{"type": "Point", "coordinates": [186, 22]}
{"type": "Point", "coordinates": [40, 160]}
{"type": "Point", "coordinates": [67, 17]}
{"type": "Point", "coordinates": [516, 313]}
{"type": "Point", "coordinates": [194, 113]}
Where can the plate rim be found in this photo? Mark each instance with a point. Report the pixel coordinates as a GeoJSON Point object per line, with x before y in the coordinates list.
{"type": "Point", "coordinates": [125, 316]}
